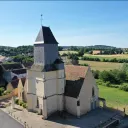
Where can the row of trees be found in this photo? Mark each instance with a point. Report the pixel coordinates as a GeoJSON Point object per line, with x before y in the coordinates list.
{"type": "Point", "coordinates": [114, 78]}
{"type": "Point", "coordinates": [23, 59]}
{"type": "Point", "coordinates": [105, 60]}
{"type": "Point", "coordinates": [12, 51]}
{"type": "Point", "coordinates": [104, 50]}
{"type": "Point", "coordinates": [78, 56]}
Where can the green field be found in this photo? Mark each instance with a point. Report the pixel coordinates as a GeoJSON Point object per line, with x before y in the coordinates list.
{"type": "Point", "coordinates": [118, 56]}
{"type": "Point", "coordinates": [101, 65]}
{"type": "Point", "coordinates": [114, 97]}
{"type": "Point", "coordinates": [95, 65]}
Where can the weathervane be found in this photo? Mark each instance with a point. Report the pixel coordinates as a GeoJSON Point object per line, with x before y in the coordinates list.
{"type": "Point", "coordinates": [41, 19]}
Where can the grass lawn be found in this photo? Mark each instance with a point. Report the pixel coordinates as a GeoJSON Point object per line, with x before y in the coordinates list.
{"type": "Point", "coordinates": [114, 97]}
{"type": "Point", "coordinates": [101, 65]}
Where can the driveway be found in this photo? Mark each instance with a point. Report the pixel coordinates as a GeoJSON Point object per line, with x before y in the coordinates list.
{"type": "Point", "coordinates": [8, 122]}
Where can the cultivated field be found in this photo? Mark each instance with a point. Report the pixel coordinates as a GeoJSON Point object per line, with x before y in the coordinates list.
{"type": "Point", "coordinates": [118, 56]}
{"type": "Point", "coordinates": [101, 65]}
{"type": "Point", "coordinates": [114, 97]}
{"type": "Point", "coordinates": [61, 52]}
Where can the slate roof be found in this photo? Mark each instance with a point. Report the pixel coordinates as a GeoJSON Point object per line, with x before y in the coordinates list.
{"type": "Point", "coordinates": [75, 76]}
{"type": "Point", "coordinates": [28, 65]}
{"type": "Point", "coordinates": [19, 71]}
{"type": "Point", "coordinates": [11, 66]}
{"type": "Point", "coordinates": [23, 81]}
{"type": "Point", "coordinates": [14, 78]}
{"type": "Point", "coordinates": [58, 61]}
{"type": "Point", "coordinates": [45, 35]}
{"type": "Point", "coordinates": [46, 68]}
{"type": "Point", "coordinates": [15, 83]}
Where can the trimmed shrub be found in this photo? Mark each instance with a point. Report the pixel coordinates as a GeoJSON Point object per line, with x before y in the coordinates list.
{"type": "Point", "coordinates": [101, 82]}
{"type": "Point", "coordinates": [17, 101]}
{"type": "Point", "coordinates": [20, 103]}
{"type": "Point", "coordinates": [124, 87]}
{"type": "Point", "coordinates": [96, 74]}
{"type": "Point", "coordinates": [1, 91]}
{"type": "Point", "coordinates": [6, 92]}
{"type": "Point", "coordinates": [24, 105]}
{"type": "Point", "coordinates": [84, 64]}
{"type": "Point", "coordinates": [64, 54]}
{"type": "Point", "coordinates": [114, 86]}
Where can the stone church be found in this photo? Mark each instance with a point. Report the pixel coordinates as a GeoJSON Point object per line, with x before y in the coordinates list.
{"type": "Point", "coordinates": [52, 87]}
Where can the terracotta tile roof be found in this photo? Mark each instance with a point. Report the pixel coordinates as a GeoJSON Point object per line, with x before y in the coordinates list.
{"type": "Point", "coordinates": [74, 79]}
{"type": "Point", "coordinates": [74, 72]}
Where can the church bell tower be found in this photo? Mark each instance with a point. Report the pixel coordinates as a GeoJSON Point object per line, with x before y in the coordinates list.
{"type": "Point", "coordinates": [46, 78]}
{"type": "Point", "coordinates": [45, 47]}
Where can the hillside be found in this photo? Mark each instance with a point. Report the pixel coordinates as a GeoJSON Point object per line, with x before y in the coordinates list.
{"type": "Point", "coordinates": [13, 51]}
{"type": "Point", "coordinates": [91, 47]}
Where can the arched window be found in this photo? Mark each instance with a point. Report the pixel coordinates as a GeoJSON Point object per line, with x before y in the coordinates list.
{"type": "Point", "coordinates": [93, 92]}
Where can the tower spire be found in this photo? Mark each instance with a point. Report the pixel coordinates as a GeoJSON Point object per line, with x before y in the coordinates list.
{"type": "Point", "coordinates": [41, 19]}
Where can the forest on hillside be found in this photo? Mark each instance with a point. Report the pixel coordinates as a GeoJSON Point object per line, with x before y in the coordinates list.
{"type": "Point", "coordinates": [28, 49]}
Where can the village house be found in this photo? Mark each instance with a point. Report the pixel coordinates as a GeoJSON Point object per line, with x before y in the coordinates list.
{"type": "Point", "coordinates": [48, 90]}
{"type": "Point", "coordinates": [96, 52]}
{"type": "Point", "coordinates": [81, 91]}
{"type": "Point", "coordinates": [13, 85]}
{"type": "Point", "coordinates": [22, 90]}
{"type": "Point", "coordinates": [11, 70]}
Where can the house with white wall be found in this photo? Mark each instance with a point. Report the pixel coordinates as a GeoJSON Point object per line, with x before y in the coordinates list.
{"type": "Point", "coordinates": [22, 89]}
{"type": "Point", "coordinates": [11, 70]}
{"type": "Point", "coordinates": [81, 91]}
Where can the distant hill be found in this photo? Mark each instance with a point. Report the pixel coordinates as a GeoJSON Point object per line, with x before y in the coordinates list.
{"type": "Point", "coordinates": [91, 47]}
{"type": "Point", "coordinates": [13, 51]}
{"type": "Point", "coordinates": [28, 49]}
{"type": "Point", "coordinates": [100, 47]}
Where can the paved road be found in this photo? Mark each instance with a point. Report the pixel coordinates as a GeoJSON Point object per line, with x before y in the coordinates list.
{"type": "Point", "coordinates": [8, 122]}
